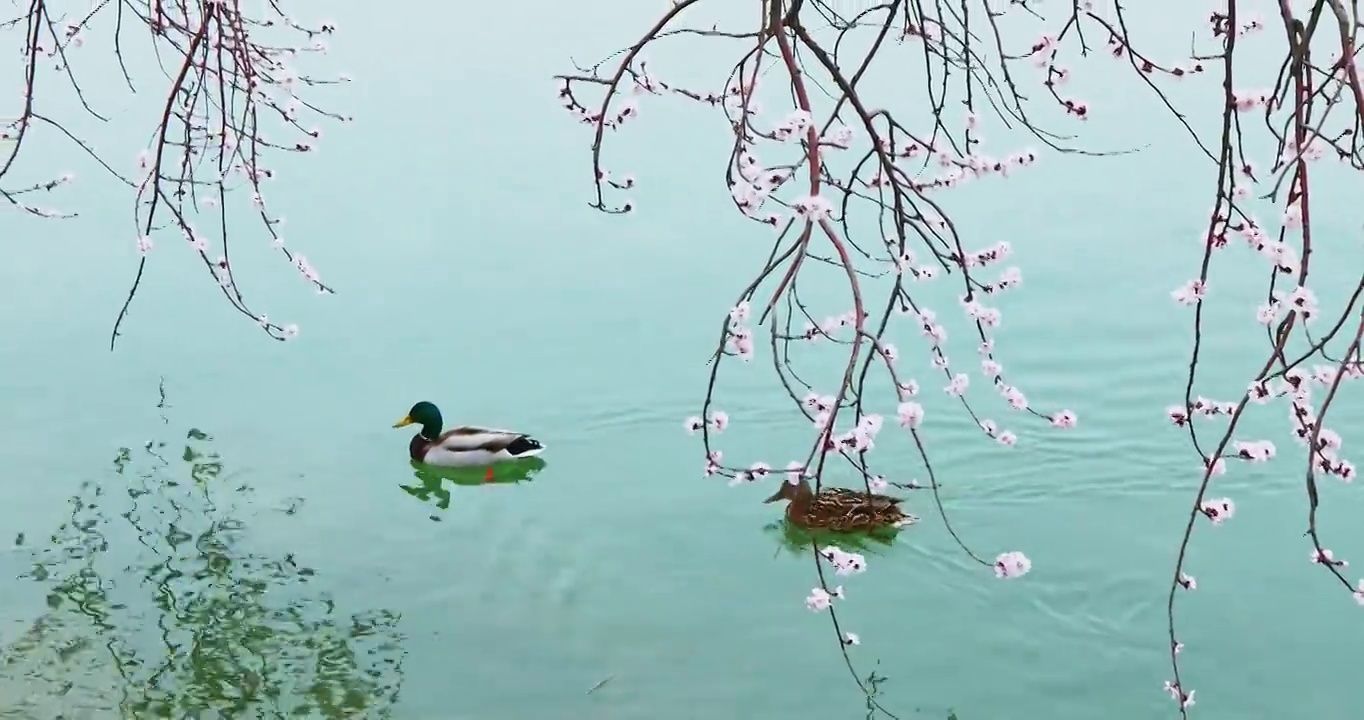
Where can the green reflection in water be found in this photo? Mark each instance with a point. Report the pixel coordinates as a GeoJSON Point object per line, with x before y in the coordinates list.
{"type": "Point", "coordinates": [158, 608]}
{"type": "Point", "coordinates": [433, 483]}
{"type": "Point", "coordinates": [799, 541]}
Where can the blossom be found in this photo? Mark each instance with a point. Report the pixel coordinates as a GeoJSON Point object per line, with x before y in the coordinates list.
{"type": "Point", "coordinates": [719, 420]}
{"type": "Point", "coordinates": [794, 471]}
{"type": "Point", "coordinates": [1218, 510]}
{"type": "Point", "coordinates": [1326, 557]}
{"type": "Point", "coordinates": [813, 208]}
{"type": "Point", "coordinates": [1190, 293]}
{"type": "Point", "coordinates": [1012, 564]}
{"type": "Point", "coordinates": [739, 314]}
{"type": "Point", "coordinates": [1359, 593]}
{"type": "Point", "coordinates": [794, 124]}
{"type": "Point", "coordinates": [845, 563]}
{"type": "Point", "coordinates": [851, 638]}
{"type": "Point", "coordinates": [693, 424]}
{"type": "Point", "coordinates": [1259, 451]}
{"type": "Point", "coordinates": [144, 245]}
{"type": "Point", "coordinates": [713, 461]}
{"type": "Point", "coordinates": [1187, 581]}
{"type": "Point", "coordinates": [1303, 302]}
{"type": "Point", "coordinates": [956, 387]}
{"type": "Point", "coordinates": [910, 414]}
{"type": "Point", "coordinates": [289, 331]}
{"type": "Point", "coordinates": [1007, 438]}
{"type": "Point", "coordinates": [819, 599]}
{"type": "Point", "coordinates": [1015, 397]}
{"type": "Point", "coordinates": [1064, 419]}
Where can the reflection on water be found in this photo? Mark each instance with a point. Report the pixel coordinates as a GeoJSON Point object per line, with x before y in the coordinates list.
{"type": "Point", "coordinates": [432, 481]}
{"type": "Point", "coordinates": [157, 607]}
{"type": "Point", "coordinates": [798, 540]}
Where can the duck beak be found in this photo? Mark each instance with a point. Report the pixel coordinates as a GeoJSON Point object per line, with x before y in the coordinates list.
{"type": "Point", "coordinates": [775, 496]}
{"type": "Point", "coordinates": [407, 420]}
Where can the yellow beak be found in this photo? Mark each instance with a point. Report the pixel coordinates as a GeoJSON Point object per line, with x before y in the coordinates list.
{"type": "Point", "coordinates": [407, 420]}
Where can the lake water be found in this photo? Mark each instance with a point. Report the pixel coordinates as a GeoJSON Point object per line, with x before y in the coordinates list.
{"type": "Point", "coordinates": [209, 519]}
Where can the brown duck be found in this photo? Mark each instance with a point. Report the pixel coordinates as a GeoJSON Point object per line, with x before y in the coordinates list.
{"type": "Point", "coordinates": [840, 508]}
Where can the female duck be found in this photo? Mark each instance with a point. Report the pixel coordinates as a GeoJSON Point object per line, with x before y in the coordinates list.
{"type": "Point", "coordinates": [463, 446]}
{"type": "Point", "coordinates": [840, 509]}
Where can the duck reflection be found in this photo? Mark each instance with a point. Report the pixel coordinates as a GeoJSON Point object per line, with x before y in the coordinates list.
{"type": "Point", "coordinates": [433, 483]}
{"type": "Point", "coordinates": [798, 540]}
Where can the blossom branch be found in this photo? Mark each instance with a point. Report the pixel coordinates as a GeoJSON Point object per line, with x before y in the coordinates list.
{"type": "Point", "coordinates": [1305, 95]}
{"type": "Point", "coordinates": [233, 71]}
{"type": "Point", "coordinates": [858, 163]}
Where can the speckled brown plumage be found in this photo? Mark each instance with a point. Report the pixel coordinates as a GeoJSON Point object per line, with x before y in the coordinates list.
{"type": "Point", "coordinates": [840, 509]}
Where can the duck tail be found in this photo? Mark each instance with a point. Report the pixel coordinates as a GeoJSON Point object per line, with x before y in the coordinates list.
{"type": "Point", "coordinates": [525, 446]}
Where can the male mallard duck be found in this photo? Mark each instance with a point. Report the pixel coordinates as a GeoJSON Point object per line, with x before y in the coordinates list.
{"type": "Point", "coordinates": [840, 508]}
{"type": "Point", "coordinates": [463, 446]}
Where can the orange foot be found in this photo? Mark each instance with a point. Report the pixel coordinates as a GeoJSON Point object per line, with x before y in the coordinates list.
{"type": "Point", "coordinates": [488, 475]}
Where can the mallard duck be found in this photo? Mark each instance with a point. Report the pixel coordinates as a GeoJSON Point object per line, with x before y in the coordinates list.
{"type": "Point", "coordinates": [840, 508]}
{"type": "Point", "coordinates": [463, 446]}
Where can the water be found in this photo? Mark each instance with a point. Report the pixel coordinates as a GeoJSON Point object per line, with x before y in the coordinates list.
{"type": "Point", "coordinates": [211, 519]}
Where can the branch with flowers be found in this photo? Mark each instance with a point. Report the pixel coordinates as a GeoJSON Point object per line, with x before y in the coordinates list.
{"type": "Point", "coordinates": [1314, 110]}
{"type": "Point", "coordinates": [836, 169]}
{"type": "Point", "coordinates": [846, 163]}
{"type": "Point", "coordinates": [230, 74]}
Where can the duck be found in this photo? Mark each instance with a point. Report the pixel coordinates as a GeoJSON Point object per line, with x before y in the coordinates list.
{"type": "Point", "coordinates": [464, 446]}
{"type": "Point", "coordinates": [840, 509]}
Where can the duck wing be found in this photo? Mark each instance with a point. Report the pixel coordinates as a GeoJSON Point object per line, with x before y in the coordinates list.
{"type": "Point", "coordinates": [492, 440]}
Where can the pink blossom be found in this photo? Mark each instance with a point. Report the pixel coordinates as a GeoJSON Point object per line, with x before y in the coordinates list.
{"type": "Point", "coordinates": [719, 420]}
{"type": "Point", "coordinates": [845, 563]}
{"type": "Point", "coordinates": [1190, 293]}
{"type": "Point", "coordinates": [1218, 510]}
{"type": "Point", "coordinates": [1258, 451]}
{"type": "Point", "coordinates": [1064, 419]}
{"type": "Point", "coordinates": [819, 599]}
{"type": "Point", "coordinates": [910, 414]}
{"type": "Point", "coordinates": [1012, 564]}
{"type": "Point", "coordinates": [1326, 557]}
{"type": "Point", "coordinates": [713, 459]}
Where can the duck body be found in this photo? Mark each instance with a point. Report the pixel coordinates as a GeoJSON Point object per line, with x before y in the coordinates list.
{"type": "Point", "coordinates": [464, 446]}
{"type": "Point", "coordinates": [473, 447]}
{"type": "Point", "coordinates": [840, 509]}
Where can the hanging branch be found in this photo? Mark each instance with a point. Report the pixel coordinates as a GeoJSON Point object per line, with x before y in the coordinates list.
{"type": "Point", "coordinates": [230, 74]}
{"type": "Point", "coordinates": [836, 167]}
{"type": "Point", "coordinates": [855, 160]}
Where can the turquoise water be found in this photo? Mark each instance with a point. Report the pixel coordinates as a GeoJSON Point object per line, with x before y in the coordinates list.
{"type": "Point", "coordinates": [213, 519]}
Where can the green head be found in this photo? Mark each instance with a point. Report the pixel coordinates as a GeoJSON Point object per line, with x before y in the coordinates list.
{"type": "Point", "coordinates": [425, 414]}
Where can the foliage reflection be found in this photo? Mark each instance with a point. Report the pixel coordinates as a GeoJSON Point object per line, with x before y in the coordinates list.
{"type": "Point", "coordinates": [159, 607]}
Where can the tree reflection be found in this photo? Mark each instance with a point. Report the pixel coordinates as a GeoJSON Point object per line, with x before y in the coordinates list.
{"type": "Point", "coordinates": [158, 608]}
